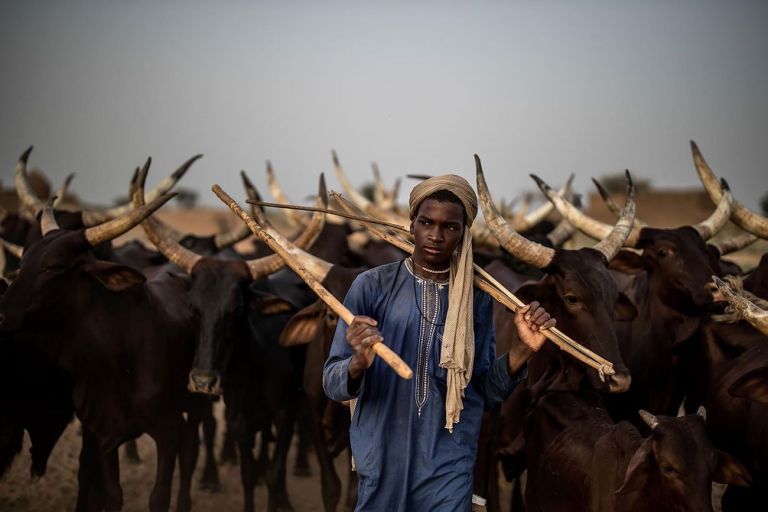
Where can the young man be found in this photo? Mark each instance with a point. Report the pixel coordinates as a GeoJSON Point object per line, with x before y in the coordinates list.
{"type": "Point", "coordinates": [414, 442]}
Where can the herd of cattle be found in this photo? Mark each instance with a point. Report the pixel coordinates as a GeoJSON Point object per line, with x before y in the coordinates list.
{"type": "Point", "coordinates": [133, 340]}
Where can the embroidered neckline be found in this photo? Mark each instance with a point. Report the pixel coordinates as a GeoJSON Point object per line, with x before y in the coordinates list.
{"type": "Point", "coordinates": [409, 267]}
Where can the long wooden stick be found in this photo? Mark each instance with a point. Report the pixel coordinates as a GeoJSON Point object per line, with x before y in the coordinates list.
{"type": "Point", "coordinates": [386, 354]}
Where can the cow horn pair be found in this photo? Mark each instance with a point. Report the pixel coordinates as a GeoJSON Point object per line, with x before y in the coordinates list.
{"type": "Point", "coordinates": [741, 216]}
{"type": "Point", "coordinates": [653, 422]}
{"type": "Point", "coordinates": [536, 254]}
{"type": "Point", "coordinates": [186, 259]}
{"type": "Point", "coordinates": [318, 267]}
{"type": "Point", "coordinates": [90, 217]}
{"type": "Point", "coordinates": [106, 231]}
{"type": "Point", "coordinates": [724, 247]}
{"type": "Point", "coordinates": [598, 230]}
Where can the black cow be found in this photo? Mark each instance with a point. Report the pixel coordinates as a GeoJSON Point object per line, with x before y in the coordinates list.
{"type": "Point", "coordinates": [579, 459]}
{"type": "Point", "coordinates": [124, 343]}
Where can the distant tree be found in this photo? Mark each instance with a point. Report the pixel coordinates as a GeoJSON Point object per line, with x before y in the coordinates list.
{"type": "Point", "coordinates": [367, 190]}
{"type": "Point", "coordinates": [764, 203]}
{"type": "Point", "coordinates": [617, 182]}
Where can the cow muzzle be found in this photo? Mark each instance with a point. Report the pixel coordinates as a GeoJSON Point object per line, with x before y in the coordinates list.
{"type": "Point", "coordinates": [205, 381]}
{"type": "Point", "coordinates": [619, 382]}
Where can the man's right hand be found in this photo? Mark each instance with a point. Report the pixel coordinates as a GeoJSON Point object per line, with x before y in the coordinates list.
{"type": "Point", "coordinates": [361, 335]}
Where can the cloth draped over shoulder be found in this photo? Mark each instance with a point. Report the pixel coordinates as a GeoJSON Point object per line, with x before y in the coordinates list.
{"type": "Point", "coordinates": [458, 347]}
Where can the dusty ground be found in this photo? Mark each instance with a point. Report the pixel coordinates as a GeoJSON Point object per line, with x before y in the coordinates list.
{"type": "Point", "coordinates": [57, 490]}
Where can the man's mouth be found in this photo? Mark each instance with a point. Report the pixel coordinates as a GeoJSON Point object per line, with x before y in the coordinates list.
{"type": "Point", "coordinates": [433, 250]}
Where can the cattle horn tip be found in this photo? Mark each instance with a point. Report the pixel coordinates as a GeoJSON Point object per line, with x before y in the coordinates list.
{"type": "Point", "coordinates": [543, 186]}
{"type": "Point", "coordinates": [724, 185]}
{"type": "Point", "coordinates": [323, 190]}
{"type": "Point", "coordinates": [335, 158]}
{"type": "Point", "coordinates": [25, 155]}
{"type": "Point", "coordinates": [651, 420]}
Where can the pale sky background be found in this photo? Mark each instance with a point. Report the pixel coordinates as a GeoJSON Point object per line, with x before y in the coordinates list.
{"type": "Point", "coordinates": [549, 87]}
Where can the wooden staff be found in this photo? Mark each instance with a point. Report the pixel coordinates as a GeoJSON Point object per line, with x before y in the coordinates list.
{"type": "Point", "coordinates": [386, 354]}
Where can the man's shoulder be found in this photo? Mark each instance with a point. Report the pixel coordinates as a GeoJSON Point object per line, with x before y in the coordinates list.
{"type": "Point", "coordinates": [382, 273]}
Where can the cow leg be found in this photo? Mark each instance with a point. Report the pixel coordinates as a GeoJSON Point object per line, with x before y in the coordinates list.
{"type": "Point", "coordinates": [329, 480]}
{"type": "Point", "coordinates": [167, 439]}
{"type": "Point", "coordinates": [276, 489]}
{"type": "Point", "coordinates": [301, 465]}
{"type": "Point", "coordinates": [228, 453]}
{"type": "Point", "coordinates": [262, 463]}
{"type": "Point", "coordinates": [210, 478]}
{"type": "Point", "coordinates": [90, 491]}
{"type": "Point", "coordinates": [188, 453]}
{"type": "Point", "coordinates": [113, 493]}
{"type": "Point", "coordinates": [247, 470]}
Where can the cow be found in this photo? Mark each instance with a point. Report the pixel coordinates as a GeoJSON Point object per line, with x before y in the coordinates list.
{"type": "Point", "coordinates": [669, 283]}
{"type": "Point", "coordinates": [123, 341]}
{"type": "Point", "coordinates": [579, 292]}
{"type": "Point", "coordinates": [579, 459]}
{"type": "Point", "coordinates": [237, 354]}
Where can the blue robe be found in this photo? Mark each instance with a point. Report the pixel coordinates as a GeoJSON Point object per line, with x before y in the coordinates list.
{"type": "Point", "coordinates": [406, 459]}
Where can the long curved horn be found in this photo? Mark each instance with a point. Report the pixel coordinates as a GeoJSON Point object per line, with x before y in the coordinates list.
{"type": "Point", "coordinates": [379, 192]}
{"type": "Point", "coordinates": [611, 204]}
{"type": "Point", "coordinates": [708, 228]}
{"type": "Point", "coordinates": [170, 248]}
{"type": "Point", "coordinates": [583, 222]}
{"type": "Point", "coordinates": [517, 245]}
{"type": "Point", "coordinates": [268, 264]}
{"type": "Point", "coordinates": [63, 191]}
{"type": "Point", "coordinates": [28, 199]}
{"type": "Point", "coordinates": [542, 212]}
{"type": "Point", "coordinates": [741, 216]}
{"type": "Point", "coordinates": [12, 248]}
{"type": "Point", "coordinates": [734, 244]}
{"type": "Point", "coordinates": [93, 217]}
{"type": "Point", "coordinates": [109, 230]}
{"type": "Point", "coordinates": [294, 218]}
{"type": "Point", "coordinates": [240, 231]}
{"type": "Point", "coordinates": [756, 316]}
{"type": "Point", "coordinates": [611, 244]}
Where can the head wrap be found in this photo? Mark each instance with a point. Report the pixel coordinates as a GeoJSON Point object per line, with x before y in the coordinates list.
{"type": "Point", "coordinates": [457, 352]}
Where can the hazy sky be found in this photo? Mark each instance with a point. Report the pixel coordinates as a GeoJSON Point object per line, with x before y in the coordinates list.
{"type": "Point", "coordinates": [545, 87]}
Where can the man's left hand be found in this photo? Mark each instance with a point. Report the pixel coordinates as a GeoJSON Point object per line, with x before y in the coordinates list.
{"type": "Point", "coordinates": [530, 321]}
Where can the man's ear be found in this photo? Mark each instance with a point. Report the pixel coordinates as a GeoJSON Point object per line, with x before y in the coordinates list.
{"type": "Point", "coordinates": [411, 229]}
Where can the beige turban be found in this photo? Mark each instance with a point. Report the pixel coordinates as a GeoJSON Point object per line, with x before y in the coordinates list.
{"type": "Point", "coordinates": [457, 353]}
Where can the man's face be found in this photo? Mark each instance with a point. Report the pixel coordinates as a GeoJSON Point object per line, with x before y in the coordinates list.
{"type": "Point", "coordinates": [437, 230]}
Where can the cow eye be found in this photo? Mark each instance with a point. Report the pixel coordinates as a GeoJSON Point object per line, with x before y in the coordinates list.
{"type": "Point", "coordinates": [662, 253]}
{"type": "Point", "coordinates": [571, 299]}
{"type": "Point", "coordinates": [668, 469]}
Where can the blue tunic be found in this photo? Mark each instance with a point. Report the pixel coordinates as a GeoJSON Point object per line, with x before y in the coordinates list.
{"type": "Point", "coordinates": [405, 458]}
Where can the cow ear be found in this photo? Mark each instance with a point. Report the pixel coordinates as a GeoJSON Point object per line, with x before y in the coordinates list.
{"type": "Point", "coordinates": [730, 471]}
{"type": "Point", "coordinates": [624, 310]}
{"type": "Point", "coordinates": [534, 290]}
{"type": "Point", "coordinates": [753, 385]}
{"type": "Point", "coordinates": [628, 262]}
{"type": "Point", "coordinates": [304, 326]}
{"type": "Point", "coordinates": [637, 470]}
{"type": "Point", "coordinates": [268, 305]}
{"type": "Point", "coordinates": [114, 276]}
